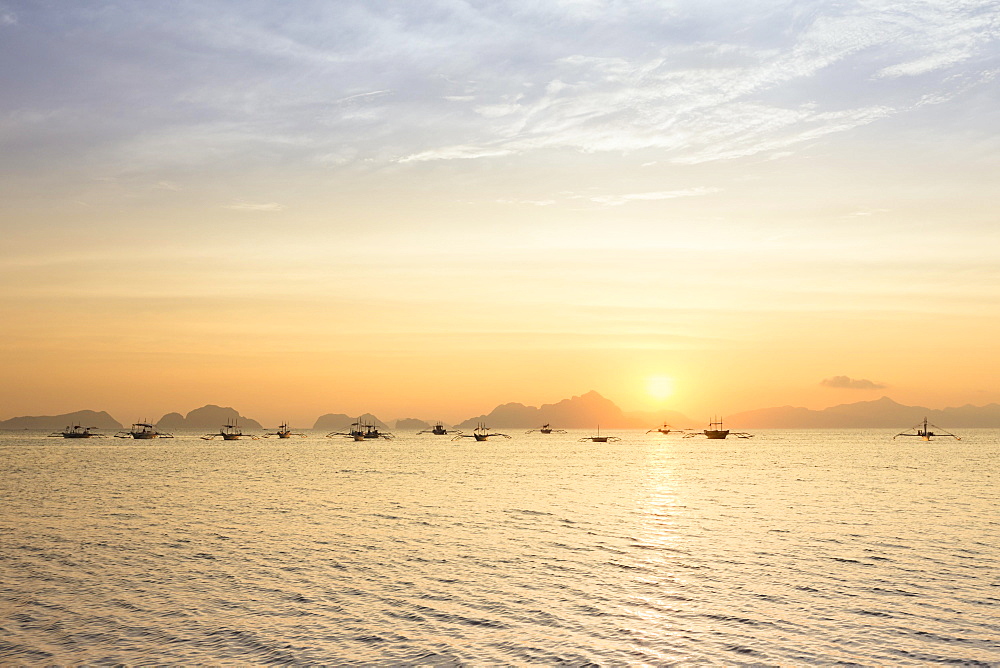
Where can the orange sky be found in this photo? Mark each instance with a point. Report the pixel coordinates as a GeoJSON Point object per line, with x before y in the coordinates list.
{"type": "Point", "coordinates": [276, 216]}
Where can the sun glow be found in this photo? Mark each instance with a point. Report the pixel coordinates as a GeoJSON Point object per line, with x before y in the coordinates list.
{"type": "Point", "coordinates": [660, 387]}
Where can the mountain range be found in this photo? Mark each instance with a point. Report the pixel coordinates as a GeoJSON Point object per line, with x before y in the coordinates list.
{"type": "Point", "coordinates": [97, 420]}
{"type": "Point", "coordinates": [585, 411]}
{"type": "Point", "coordinates": [882, 412]}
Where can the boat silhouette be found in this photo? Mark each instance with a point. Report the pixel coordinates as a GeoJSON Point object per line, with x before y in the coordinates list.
{"type": "Point", "coordinates": [439, 430]}
{"type": "Point", "coordinates": [547, 429]}
{"type": "Point", "coordinates": [229, 432]}
{"type": "Point", "coordinates": [143, 431]}
{"type": "Point", "coordinates": [923, 431]}
{"type": "Point", "coordinates": [599, 438]}
{"type": "Point", "coordinates": [481, 433]}
{"type": "Point", "coordinates": [284, 431]}
{"type": "Point", "coordinates": [76, 431]}
{"type": "Point", "coordinates": [716, 432]}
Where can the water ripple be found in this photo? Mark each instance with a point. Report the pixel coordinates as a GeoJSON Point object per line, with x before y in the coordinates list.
{"type": "Point", "coordinates": [796, 548]}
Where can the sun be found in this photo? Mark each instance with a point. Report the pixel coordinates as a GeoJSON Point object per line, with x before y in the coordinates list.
{"type": "Point", "coordinates": [660, 387]}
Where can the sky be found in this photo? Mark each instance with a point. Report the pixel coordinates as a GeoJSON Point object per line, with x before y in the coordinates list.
{"type": "Point", "coordinates": [425, 209]}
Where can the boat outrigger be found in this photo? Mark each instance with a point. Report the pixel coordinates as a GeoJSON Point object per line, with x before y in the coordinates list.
{"type": "Point", "coordinates": [229, 432]}
{"type": "Point", "coordinates": [76, 431]}
{"type": "Point", "coordinates": [481, 433]}
{"type": "Point", "coordinates": [284, 431]}
{"type": "Point", "coordinates": [923, 431]}
{"type": "Point", "coordinates": [547, 429]}
{"type": "Point", "coordinates": [716, 432]}
{"type": "Point", "coordinates": [439, 430]}
{"type": "Point", "coordinates": [600, 439]}
{"type": "Point", "coordinates": [143, 431]}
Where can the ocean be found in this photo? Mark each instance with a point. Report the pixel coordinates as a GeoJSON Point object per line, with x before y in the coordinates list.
{"type": "Point", "coordinates": [792, 548]}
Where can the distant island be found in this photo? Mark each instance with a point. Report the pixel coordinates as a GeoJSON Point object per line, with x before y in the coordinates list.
{"type": "Point", "coordinates": [98, 420]}
{"type": "Point", "coordinates": [206, 417]}
{"type": "Point", "coordinates": [579, 412]}
{"type": "Point", "coordinates": [585, 411]}
{"type": "Point", "coordinates": [882, 412]}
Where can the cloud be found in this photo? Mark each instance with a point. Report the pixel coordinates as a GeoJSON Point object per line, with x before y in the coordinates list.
{"type": "Point", "coordinates": [455, 81]}
{"type": "Point", "coordinates": [847, 383]}
{"type": "Point", "coordinates": [256, 207]}
{"type": "Point", "coordinates": [865, 213]}
{"type": "Point", "coordinates": [457, 153]}
{"type": "Point", "coordinates": [363, 97]}
{"type": "Point", "coordinates": [618, 200]}
{"type": "Point", "coordinates": [532, 202]}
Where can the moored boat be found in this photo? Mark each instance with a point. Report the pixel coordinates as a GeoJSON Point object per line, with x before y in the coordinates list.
{"type": "Point", "coordinates": [143, 431]}
{"type": "Point", "coordinates": [439, 430]}
{"type": "Point", "coordinates": [76, 431]}
{"type": "Point", "coordinates": [362, 431]}
{"type": "Point", "coordinates": [547, 429]}
{"type": "Point", "coordinates": [923, 431]}
{"type": "Point", "coordinates": [284, 431]}
{"type": "Point", "coordinates": [229, 432]}
{"type": "Point", "coordinates": [599, 438]}
{"type": "Point", "coordinates": [481, 433]}
{"type": "Point", "coordinates": [716, 432]}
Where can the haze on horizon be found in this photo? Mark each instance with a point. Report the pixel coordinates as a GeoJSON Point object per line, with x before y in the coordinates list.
{"type": "Point", "coordinates": [428, 209]}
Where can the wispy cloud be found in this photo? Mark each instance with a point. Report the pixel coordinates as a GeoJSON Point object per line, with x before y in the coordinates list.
{"type": "Point", "coordinates": [865, 213]}
{"type": "Point", "coordinates": [718, 100]}
{"type": "Point", "coordinates": [362, 97]}
{"type": "Point", "coordinates": [847, 383]}
{"type": "Point", "coordinates": [686, 84]}
{"type": "Point", "coordinates": [263, 207]}
{"type": "Point", "coordinates": [535, 202]}
{"type": "Point", "coordinates": [618, 200]}
{"type": "Point", "coordinates": [457, 153]}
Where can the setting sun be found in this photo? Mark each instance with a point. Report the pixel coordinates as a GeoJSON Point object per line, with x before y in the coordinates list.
{"type": "Point", "coordinates": [660, 387]}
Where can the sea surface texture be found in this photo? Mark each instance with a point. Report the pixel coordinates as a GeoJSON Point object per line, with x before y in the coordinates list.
{"type": "Point", "coordinates": [791, 548]}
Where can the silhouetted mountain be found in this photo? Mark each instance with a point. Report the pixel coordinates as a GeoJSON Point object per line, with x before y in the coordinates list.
{"type": "Point", "coordinates": [882, 412]}
{"type": "Point", "coordinates": [206, 417]}
{"type": "Point", "coordinates": [411, 424]}
{"type": "Point", "coordinates": [587, 410]}
{"type": "Point", "coordinates": [171, 421]}
{"type": "Point", "coordinates": [341, 422]}
{"type": "Point", "coordinates": [98, 420]}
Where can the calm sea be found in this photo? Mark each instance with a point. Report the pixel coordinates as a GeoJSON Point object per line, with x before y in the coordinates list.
{"type": "Point", "coordinates": [792, 548]}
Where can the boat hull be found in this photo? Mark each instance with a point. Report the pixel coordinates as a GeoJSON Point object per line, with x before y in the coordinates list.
{"type": "Point", "coordinates": [144, 435]}
{"type": "Point", "coordinates": [70, 434]}
{"type": "Point", "coordinates": [231, 437]}
{"type": "Point", "coordinates": [716, 433]}
{"type": "Point", "coordinates": [480, 437]}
